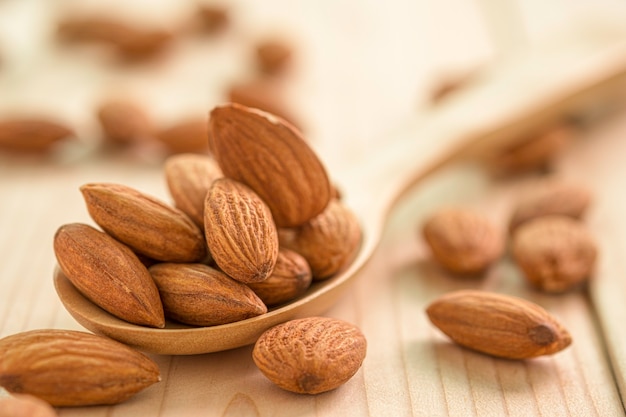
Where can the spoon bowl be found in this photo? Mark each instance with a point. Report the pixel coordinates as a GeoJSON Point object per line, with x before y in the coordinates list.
{"type": "Point", "coordinates": [518, 96]}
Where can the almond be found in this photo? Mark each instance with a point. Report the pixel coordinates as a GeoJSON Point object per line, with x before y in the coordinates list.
{"type": "Point", "coordinates": [240, 232]}
{"type": "Point", "coordinates": [25, 405]}
{"type": "Point", "coordinates": [328, 241]}
{"type": "Point", "coordinates": [462, 241]}
{"type": "Point", "coordinates": [31, 135]}
{"type": "Point", "coordinates": [70, 368]}
{"type": "Point", "coordinates": [189, 177]}
{"type": "Point", "coordinates": [311, 355]}
{"type": "Point", "coordinates": [497, 324]}
{"type": "Point", "coordinates": [291, 278]}
{"type": "Point", "coordinates": [270, 156]}
{"type": "Point", "coordinates": [273, 56]}
{"type": "Point", "coordinates": [108, 273]}
{"type": "Point", "coordinates": [123, 121]}
{"type": "Point", "coordinates": [263, 94]}
{"type": "Point", "coordinates": [555, 253]}
{"type": "Point", "coordinates": [187, 136]}
{"type": "Point", "coordinates": [551, 197]}
{"type": "Point", "coordinates": [213, 18]}
{"type": "Point", "coordinates": [146, 224]}
{"type": "Point", "coordinates": [199, 295]}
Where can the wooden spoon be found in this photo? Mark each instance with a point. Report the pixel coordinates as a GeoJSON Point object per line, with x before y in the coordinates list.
{"type": "Point", "coordinates": [562, 78]}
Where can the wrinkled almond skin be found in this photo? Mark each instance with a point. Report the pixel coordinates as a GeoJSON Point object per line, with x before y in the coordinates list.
{"type": "Point", "coordinates": [553, 197]}
{"type": "Point", "coordinates": [124, 122]}
{"type": "Point", "coordinates": [187, 136]}
{"type": "Point", "coordinates": [31, 135]}
{"type": "Point", "coordinates": [25, 405]}
{"type": "Point", "coordinates": [109, 274]}
{"type": "Point", "coordinates": [462, 241]}
{"type": "Point", "coordinates": [199, 295]}
{"type": "Point", "coordinates": [270, 156]}
{"type": "Point", "coordinates": [291, 278]}
{"type": "Point", "coordinates": [328, 242]}
{"type": "Point", "coordinates": [310, 355]}
{"type": "Point", "coordinates": [144, 223]}
{"type": "Point", "coordinates": [71, 368]}
{"type": "Point", "coordinates": [240, 232]}
{"type": "Point", "coordinates": [497, 324]}
{"type": "Point", "coordinates": [189, 177]}
{"type": "Point", "coordinates": [555, 253]}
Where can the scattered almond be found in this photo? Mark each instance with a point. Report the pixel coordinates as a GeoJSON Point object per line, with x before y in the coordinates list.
{"type": "Point", "coordinates": [273, 56]}
{"type": "Point", "coordinates": [25, 405]}
{"type": "Point", "coordinates": [271, 157]}
{"type": "Point", "coordinates": [291, 278]}
{"type": "Point", "coordinates": [199, 295]}
{"type": "Point", "coordinates": [552, 197]}
{"type": "Point", "coordinates": [70, 368]}
{"type": "Point", "coordinates": [146, 224]}
{"type": "Point", "coordinates": [213, 18]}
{"type": "Point", "coordinates": [311, 355]}
{"type": "Point", "coordinates": [497, 324]}
{"type": "Point", "coordinates": [187, 136]}
{"type": "Point", "coordinates": [189, 177]}
{"type": "Point", "coordinates": [240, 232]}
{"type": "Point", "coordinates": [263, 94]}
{"type": "Point", "coordinates": [108, 273]}
{"type": "Point", "coordinates": [31, 135]}
{"type": "Point", "coordinates": [124, 122]}
{"type": "Point", "coordinates": [328, 241]}
{"type": "Point", "coordinates": [462, 241]}
{"type": "Point", "coordinates": [555, 253]}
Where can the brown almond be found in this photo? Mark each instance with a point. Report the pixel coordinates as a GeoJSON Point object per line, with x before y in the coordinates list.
{"type": "Point", "coordinates": [189, 177]}
{"type": "Point", "coordinates": [124, 121]}
{"type": "Point", "coordinates": [213, 18]}
{"type": "Point", "coordinates": [310, 355]}
{"type": "Point", "coordinates": [31, 135]}
{"type": "Point", "coordinates": [70, 368]}
{"type": "Point", "coordinates": [199, 295]}
{"type": "Point", "coordinates": [24, 405]}
{"type": "Point", "coordinates": [240, 232]}
{"type": "Point", "coordinates": [108, 273]}
{"type": "Point", "coordinates": [273, 56]}
{"type": "Point", "coordinates": [462, 241]}
{"type": "Point", "coordinates": [328, 241]}
{"type": "Point", "coordinates": [497, 324]}
{"type": "Point", "coordinates": [187, 136]}
{"type": "Point", "coordinates": [555, 253]}
{"type": "Point", "coordinates": [270, 156]}
{"type": "Point", "coordinates": [291, 278]}
{"type": "Point", "coordinates": [552, 197]}
{"type": "Point", "coordinates": [146, 224]}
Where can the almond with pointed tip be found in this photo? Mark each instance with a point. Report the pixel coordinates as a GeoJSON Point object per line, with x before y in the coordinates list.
{"type": "Point", "coordinates": [72, 368]}
{"type": "Point", "coordinates": [240, 231]}
{"type": "Point", "coordinates": [189, 177]}
{"type": "Point", "coordinates": [199, 295]}
{"type": "Point", "coordinates": [109, 274]}
{"type": "Point", "coordinates": [498, 324]}
{"type": "Point", "coordinates": [270, 156]}
{"type": "Point", "coordinates": [144, 223]}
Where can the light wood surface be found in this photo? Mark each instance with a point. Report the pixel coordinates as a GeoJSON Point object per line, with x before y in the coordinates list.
{"type": "Point", "coordinates": [361, 76]}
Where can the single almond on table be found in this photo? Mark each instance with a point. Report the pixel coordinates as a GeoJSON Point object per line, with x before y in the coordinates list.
{"type": "Point", "coordinates": [462, 241]}
{"type": "Point", "coordinates": [497, 324]}
{"type": "Point", "coordinates": [555, 253]}
{"type": "Point", "coordinates": [146, 224]}
{"type": "Point", "coordinates": [310, 355]}
{"type": "Point", "coordinates": [291, 278]}
{"type": "Point", "coordinates": [189, 177]}
{"type": "Point", "coordinates": [328, 241]}
{"type": "Point", "coordinates": [270, 156]}
{"type": "Point", "coordinates": [199, 295]}
{"type": "Point", "coordinates": [109, 274]}
{"type": "Point", "coordinates": [71, 368]}
{"type": "Point", "coordinates": [240, 232]}
{"type": "Point", "coordinates": [24, 405]}
{"type": "Point", "coordinates": [124, 122]}
{"type": "Point", "coordinates": [551, 197]}
{"type": "Point", "coordinates": [187, 136]}
{"type": "Point", "coordinates": [31, 135]}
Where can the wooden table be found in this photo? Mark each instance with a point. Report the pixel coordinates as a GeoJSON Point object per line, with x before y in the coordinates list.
{"type": "Point", "coordinates": [363, 68]}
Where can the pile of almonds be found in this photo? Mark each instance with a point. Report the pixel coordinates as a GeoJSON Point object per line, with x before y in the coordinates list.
{"type": "Point", "coordinates": [552, 248]}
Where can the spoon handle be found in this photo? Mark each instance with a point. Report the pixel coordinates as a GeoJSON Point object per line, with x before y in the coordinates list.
{"type": "Point", "coordinates": [562, 76]}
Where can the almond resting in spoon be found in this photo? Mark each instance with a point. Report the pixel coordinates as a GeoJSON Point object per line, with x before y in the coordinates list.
{"type": "Point", "coordinates": [508, 100]}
